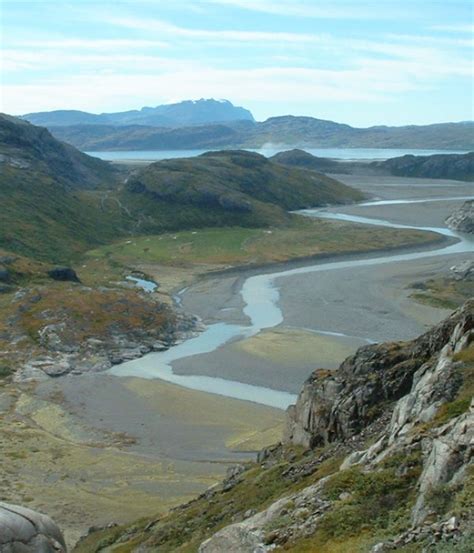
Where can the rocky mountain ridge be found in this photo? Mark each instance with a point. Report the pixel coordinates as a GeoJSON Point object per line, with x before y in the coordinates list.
{"type": "Point", "coordinates": [189, 112]}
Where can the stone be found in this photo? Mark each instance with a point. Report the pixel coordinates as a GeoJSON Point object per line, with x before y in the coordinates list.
{"type": "Point", "coordinates": [5, 275]}
{"type": "Point", "coordinates": [63, 274]}
{"type": "Point", "coordinates": [463, 271]}
{"type": "Point", "coordinates": [462, 219]}
{"type": "Point", "coordinates": [26, 531]}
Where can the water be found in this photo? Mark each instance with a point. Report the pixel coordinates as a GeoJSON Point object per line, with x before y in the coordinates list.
{"type": "Point", "coordinates": [347, 154]}
{"type": "Point", "coordinates": [146, 285]}
{"type": "Point", "coordinates": [260, 295]}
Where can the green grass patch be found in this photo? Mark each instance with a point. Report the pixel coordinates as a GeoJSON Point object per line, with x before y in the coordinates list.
{"type": "Point", "coordinates": [443, 292]}
{"type": "Point", "coordinates": [302, 237]}
{"type": "Point", "coordinates": [460, 404]}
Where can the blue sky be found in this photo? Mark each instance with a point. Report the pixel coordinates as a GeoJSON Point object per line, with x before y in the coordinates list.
{"type": "Point", "coordinates": [358, 62]}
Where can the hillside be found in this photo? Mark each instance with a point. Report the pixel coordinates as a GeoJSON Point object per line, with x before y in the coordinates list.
{"type": "Point", "coordinates": [58, 202]}
{"type": "Point", "coordinates": [229, 188]}
{"type": "Point", "coordinates": [438, 166]}
{"type": "Point", "coordinates": [288, 130]}
{"type": "Point", "coordinates": [377, 457]}
{"type": "Point", "coordinates": [49, 207]}
{"type": "Point", "coordinates": [187, 113]}
{"type": "Point", "coordinates": [305, 160]}
{"type": "Point", "coordinates": [443, 166]}
{"type": "Point", "coordinates": [28, 147]}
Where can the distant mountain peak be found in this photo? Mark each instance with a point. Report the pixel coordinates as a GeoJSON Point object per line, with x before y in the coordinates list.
{"type": "Point", "coordinates": [189, 113]}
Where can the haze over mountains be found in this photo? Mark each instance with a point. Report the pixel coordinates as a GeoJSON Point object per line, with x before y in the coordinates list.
{"type": "Point", "coordinates": [189, 112]}
{"type": "Point", "coordinates": [212, 124]}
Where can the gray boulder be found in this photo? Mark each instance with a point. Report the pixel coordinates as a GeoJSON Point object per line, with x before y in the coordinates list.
{"type": "Point", "coordinates": [462, 219]}
{"type": "Point", "coordinates": [25, 531]}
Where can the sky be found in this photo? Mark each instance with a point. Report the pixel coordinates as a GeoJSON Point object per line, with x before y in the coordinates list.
{"type": "Point", "coordinates": [357, 62]}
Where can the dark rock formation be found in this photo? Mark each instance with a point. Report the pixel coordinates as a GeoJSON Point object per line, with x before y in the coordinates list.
{"type": "Point", "coordinates": [25, 531]}
{"type": "Point", "coordinates": [63, 274]}
{"type": "Point", "coordinates": [4, 275]}
{"type": "Point", "coordinates": [463, 218]}
{"type": "Point", "coordinates": [337, 405]}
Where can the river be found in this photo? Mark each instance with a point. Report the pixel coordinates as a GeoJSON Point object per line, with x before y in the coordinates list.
{"type": "Point", "coordinates": [260, 296]}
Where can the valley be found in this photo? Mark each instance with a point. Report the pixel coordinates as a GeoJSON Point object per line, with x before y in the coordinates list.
{"type": "Point", "coordinates": [111, 395]}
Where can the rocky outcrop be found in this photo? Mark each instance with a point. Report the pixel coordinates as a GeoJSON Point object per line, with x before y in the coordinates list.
{"type": "Point", "coordinates": [414, 381]}
{"type": "Point", "coordinates": [463, 218]}
{"type": "Point", "coordinates": [65, 274]}
{"type": "Point", "coordinates": [463, 271]}
{"type": "Point", "coordinates": [25, 531]}
{"type": "Point", "coordinates": [337, 405]}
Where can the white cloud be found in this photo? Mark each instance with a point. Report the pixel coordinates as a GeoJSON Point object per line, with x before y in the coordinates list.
{"type": "Point", "coordinates": [454, 28]}
{"type": "Point", "coordinates": [159, 26]}
{"type": "Point", "coordinates": [369, 81]}
{"type": "Point", "coordinates": [325, 10]}
{"type": "Point", "coordinates": [92, 44]}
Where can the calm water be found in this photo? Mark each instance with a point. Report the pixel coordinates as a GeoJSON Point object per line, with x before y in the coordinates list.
{"type": "Point", "coordinates": [348, 154]}
{"type": "Point", "coordinates": [261, 297]}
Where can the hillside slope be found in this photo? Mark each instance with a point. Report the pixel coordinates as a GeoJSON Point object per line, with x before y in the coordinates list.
{"type": "Point", "coordinates": [26, 146]}
{"type": "Point", "coordinates": [49, 207]}
{"type": "Point", "coordinates": [438, 166]}
{"type": "Point", "coordinates": [378, 456]}
{"type": "Point", "coordinates": [230, 187]}
{"type": "Point", "coordinates": [58, 202]}
{"type": "Point", "coordinates": [442, 166]}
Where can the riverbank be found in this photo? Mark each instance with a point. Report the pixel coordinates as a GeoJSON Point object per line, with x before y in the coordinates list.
{"type": "Point", "coordinates": [165, 443]}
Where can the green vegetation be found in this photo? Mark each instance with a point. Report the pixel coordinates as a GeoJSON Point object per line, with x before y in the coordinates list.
{"type": "Point", "coordinates": [44, 220]}
{"type": "Point", "coordinates": [184, 529]}
{"type": "Point", "coordinates": [460, 404]}
{"type": "Point", "coordinates": [374, 505]}
{"type": "Point", "coordinates": [302, 237]}
{"type": "Point", "coordinates": [443, 292]}
{"type": "Point", "coordinates": [226, 189]}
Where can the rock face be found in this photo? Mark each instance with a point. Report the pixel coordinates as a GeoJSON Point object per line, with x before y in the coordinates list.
{"type": "Point", "coordinates": [463, 271]}
{"type": "Point", "coordinates": [25, 531]}
{"type": "Point", "coordinates": [412, 381]}
{"type": "Point", "coordinates": [337, 405]}
{"type": "Point", "coordinates": [463, 218]}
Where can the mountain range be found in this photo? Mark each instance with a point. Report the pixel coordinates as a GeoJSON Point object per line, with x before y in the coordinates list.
{"type": "Point", "coordinates": [187, 113]}
{"type": "Point", "coordinates": [212, 124]}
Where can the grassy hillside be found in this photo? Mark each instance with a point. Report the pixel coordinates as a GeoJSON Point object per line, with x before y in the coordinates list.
{"type": "Point", "coordinates": [51, 208]}
{"type": "Point", "coordinates": [57, 202]}
{"type": "Point", "coordinates": [26, 146]}
{"type": "Point", "coordinates": [230, 188]}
